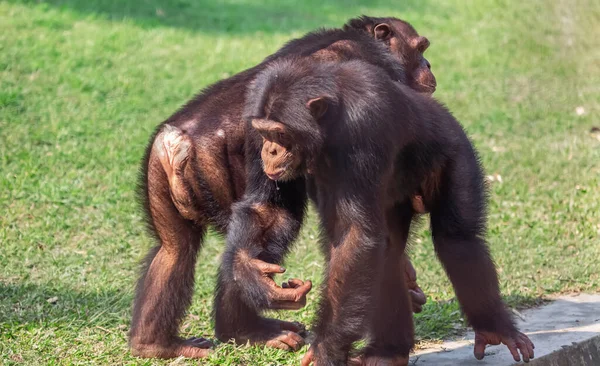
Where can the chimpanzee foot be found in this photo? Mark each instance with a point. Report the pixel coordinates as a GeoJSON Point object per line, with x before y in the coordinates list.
{"type": "Point", "coordinates": [275, 333]}
{"type": "Point", "coordinates": [190, 348]}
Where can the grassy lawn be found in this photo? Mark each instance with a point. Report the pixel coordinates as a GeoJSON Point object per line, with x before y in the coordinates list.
{"type": "Point", "coordinates": [84, 82]}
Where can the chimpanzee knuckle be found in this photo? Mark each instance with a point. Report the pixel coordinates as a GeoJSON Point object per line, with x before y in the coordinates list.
{"type": "Point", "coordinates": [300, 297]}
{"type": "Point", "coordinates": [303, 290]}
{"type": "Point", "coordinates": [295, 282]}
{"type": "Point", "coordinates": [295, 338]}
{"type": "Point", "coordinates": [276, 343]}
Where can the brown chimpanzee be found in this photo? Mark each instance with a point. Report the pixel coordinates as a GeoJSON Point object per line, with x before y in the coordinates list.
{"type": "Point", "coordinates": [368, 144]}
{"type": "Point", "coordinates": [194, 171]}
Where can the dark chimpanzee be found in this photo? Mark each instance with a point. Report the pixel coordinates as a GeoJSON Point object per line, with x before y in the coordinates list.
{"type": "Point", "coordinates": [369, 144]}
{"type": "Point", "coordinates": [194, 171]}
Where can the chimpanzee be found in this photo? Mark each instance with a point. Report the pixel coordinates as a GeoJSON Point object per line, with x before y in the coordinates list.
{"type": "Point", "coordinates": [193, 173]}
{"type": "Point", "coordinates": [368, 144]}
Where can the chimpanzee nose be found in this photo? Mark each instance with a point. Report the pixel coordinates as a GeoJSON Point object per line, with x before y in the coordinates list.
{"type": "Point", "coordinates": [428, 65]}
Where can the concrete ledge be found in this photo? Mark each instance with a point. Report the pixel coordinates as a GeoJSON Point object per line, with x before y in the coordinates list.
{"type": "Point", "coordinates": [565, 332]}
{"type": "Point", "coordinates": [586, 353]}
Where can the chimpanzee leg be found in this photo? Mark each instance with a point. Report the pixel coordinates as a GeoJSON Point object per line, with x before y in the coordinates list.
{"type": "Point", "coordinates": [392, 325]}
{"type": "Point", "coordinates": [356, 231]}
{"type": "Point", "coordinates": [165, 288]}
{"type": "Point", "coordinates": [417, 297]}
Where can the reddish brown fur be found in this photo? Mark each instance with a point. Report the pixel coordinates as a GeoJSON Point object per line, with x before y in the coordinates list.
{"type": "Point", "coordinates": [184, 196]}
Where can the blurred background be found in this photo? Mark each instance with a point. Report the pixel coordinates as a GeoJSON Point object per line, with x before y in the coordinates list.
{"type": "Point", "coordinates": [83, 83]}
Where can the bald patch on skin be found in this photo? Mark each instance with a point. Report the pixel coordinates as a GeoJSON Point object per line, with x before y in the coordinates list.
{"type": "Point", "coordinates": [181, 159]}
{"type": "Point", "coordinates": [173, 148]}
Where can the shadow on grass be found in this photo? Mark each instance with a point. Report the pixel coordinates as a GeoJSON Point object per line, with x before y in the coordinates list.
{"type": "Point", "coordinates": [226, 16]}
{"type": "Point", "coordinates": [47, 306]}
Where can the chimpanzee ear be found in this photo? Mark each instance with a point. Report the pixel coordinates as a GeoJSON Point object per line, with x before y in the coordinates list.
{"type": "Point", "coordinates": [420, 43]}
{"type": "Point", "coordinates": [382, 31]}
{"type": "Point", "coordinates": [271, 130]}
{"type": "Point", "coordinates": [317, 106]}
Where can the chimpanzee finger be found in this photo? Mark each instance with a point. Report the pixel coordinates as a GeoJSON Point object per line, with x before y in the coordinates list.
{"type": "Point", "coordinates": [291, 340]}
{"type": "Point", "coordinates": [294, 282]}
{"type": "Point", "coordinates": [479, 350]}
{"type": "Point", "coordinates": [308, 357]}
{"type": "Point", "coordinates": [530, 346]}
{"type": "Point", "coordinates": [409, 270]}
{"type": "Point", "coordinates": [526, 345]}
{"type": "Point", "coordinates": [417, 296]}
{"type": "Point", "coordinates": [303, 287]}
{"type": "Point", "coordinates": [295, 292]}
{"type": "Point", "coordinates": [268, 268]}
{"type": "Point", "coordinates": [276, 343]}
{"type": "Point", "coordinates": [416, 307]}
{"type": "Point", "coordinates": [514, 350]}
{"type": "Point", "coordinates": [417, 301]}
{"type": "Point", "coordinates": [524, 351]}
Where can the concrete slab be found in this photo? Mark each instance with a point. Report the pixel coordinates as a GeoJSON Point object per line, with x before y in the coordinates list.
{"type": "Point", "coordinates": [554, 329]}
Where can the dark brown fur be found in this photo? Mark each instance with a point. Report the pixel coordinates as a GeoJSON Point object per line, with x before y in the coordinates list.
{"type": "Point", "coordinates": [193, 173]}
{"type": "Point", "coordinates": [369, 144]}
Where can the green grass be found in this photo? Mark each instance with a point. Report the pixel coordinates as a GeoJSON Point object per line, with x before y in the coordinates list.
{"type": "Point", "coordinates": [84, 82]}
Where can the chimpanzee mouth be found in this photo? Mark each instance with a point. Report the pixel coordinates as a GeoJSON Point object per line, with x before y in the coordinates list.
{"type": "Point", "coordinates": [427, 89]}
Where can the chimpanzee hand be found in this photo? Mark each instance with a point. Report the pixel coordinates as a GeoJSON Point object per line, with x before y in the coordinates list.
{"type": "Point", "coordinates": [517, 342]}
{"type": "Point", "coordinates": [417, 297]}
{"type": "Point", "coordinates": [290, 296]}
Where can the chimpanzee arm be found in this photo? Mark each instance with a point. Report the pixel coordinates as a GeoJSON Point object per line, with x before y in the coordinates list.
{"type": "Point", "coordinates": [458, 222]}
{"type": "Point", "coordinates": [355, 227]}
{"type": "Point", "coordinates": [262, 226]}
